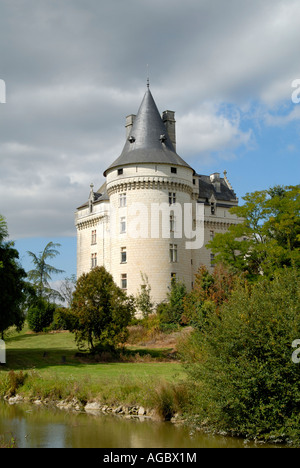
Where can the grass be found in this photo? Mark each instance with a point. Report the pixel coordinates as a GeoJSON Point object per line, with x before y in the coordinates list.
{"type": "Point", "coordinates": [54, 369]}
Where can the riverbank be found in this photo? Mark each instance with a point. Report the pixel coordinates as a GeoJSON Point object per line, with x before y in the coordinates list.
{"type": "Point", "coordinates": [96, 408]}
{"type": "Point", "coordinates": [47, 370]}
{"type": "Point", "coordinates": [47, 367]}
{"type": "Point", "coordinates": [40, 426]}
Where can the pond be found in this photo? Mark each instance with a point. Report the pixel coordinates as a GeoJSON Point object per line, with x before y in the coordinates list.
{"type": "Point", "coordinates": [43, 427]}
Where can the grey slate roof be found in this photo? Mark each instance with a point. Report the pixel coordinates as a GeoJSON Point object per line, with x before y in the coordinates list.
{"type": "Point", "coordinates": [207, 189]}
{"type": "Point", "coordinates": [99, 196]}
{"type": "Point", "coordinates": [146, 145]}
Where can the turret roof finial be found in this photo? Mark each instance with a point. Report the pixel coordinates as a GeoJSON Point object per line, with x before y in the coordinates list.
{"type": "Point", "coordinates": [148, 81]}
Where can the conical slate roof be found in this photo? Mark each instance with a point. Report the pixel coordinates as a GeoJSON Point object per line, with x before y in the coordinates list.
{"type": "Point", "coordinates": [148, 141]}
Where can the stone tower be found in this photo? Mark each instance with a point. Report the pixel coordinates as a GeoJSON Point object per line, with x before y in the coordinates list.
{"type": "Point", "coordinates": [143, 217]}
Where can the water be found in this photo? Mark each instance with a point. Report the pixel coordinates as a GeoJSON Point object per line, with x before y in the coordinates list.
{"type": "Point", "coordinates": [40, 427]}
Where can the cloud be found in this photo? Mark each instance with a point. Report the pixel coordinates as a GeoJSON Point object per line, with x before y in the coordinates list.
{"type": "Point", "coordinates": [74, 69]}
{"type": "Point", "coordinates": [208, 131]}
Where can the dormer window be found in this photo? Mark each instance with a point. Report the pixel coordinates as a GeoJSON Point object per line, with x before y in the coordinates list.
{"type": "Point", "coordinates": [174, 170]}
{"type": "Point", "coordinates": [131, 139]}
{"type": "Point", "coordinates": [120, 171]}
{"type": "Point", "coordinates": [163, 138]}
{"type": "Point", "coordinates": [213, 208]}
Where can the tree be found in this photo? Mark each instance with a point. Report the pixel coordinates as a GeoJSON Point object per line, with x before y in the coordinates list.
{"type": "Point", "coordinates": [101, 311]}
{"type": "Point", "coordinates": [43, 272]}
{"type": "Point", "coordinates": [143, 299]}
{"type": "Point", "coordinates": [268, 236]}
{"type": "Point", "coordinates": [171, 312]}
{"type": "Point", "coordinates": [241, 361]}
{"type": "Point", "coordinates": [13, 286]}
{"type": "Point", "coordinates": [67, 288]}
{"type": "Point", "coordinates": [3, 228]}
{"type": "Point", "coordinates": [209, 293]}
{"type": "Point", "coordinates": [40, 314]}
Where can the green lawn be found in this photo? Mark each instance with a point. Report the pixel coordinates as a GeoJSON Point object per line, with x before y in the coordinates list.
{"type": "Point", "coordinates": [53, 370]}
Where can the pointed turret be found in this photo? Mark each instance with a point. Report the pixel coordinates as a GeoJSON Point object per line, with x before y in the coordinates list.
{"type": "Point", "coordinates": [148, 141]}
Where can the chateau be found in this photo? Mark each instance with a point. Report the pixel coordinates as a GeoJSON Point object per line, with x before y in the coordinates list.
{"type": "Point", "coordinates": [153, 215]}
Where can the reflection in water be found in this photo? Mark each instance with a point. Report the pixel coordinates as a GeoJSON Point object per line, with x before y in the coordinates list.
{"type": "Point", "coordinates": [39, 427]}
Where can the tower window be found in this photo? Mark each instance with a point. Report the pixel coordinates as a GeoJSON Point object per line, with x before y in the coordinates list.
{"type": "Point", "coordinates": [123, 255]}
{"type": "Point", "coordinates": [94, 260]}
{"type": "Point", "coordinates": [173, 253]}
{"type": "Point", "coordinates": [213, 208]}
{"type": "Point", "coordinates": [212, 260]}
{"type": "Point", "coordinates": [122, 200]}
{"type": "Point", "coordinates": [120, 171]}
{"type": "Point", "coordinates": [122, 224]}
{"type": "Point", "coordinates": [172, 198]}
{"type": "Point", "coordinates": [172, 223]}
{"type": "Point", "coordinates": [94, 237]}
{"type": "Point", "coordinates": [124, 281]}
{"type": "Point", "coordinates": [174, 170]}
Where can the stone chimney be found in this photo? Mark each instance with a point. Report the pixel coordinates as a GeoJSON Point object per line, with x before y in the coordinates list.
{"type": "Point", "coordinates": [129, 122]}
{"type": "Point", "coordinates": [215, 180]}
{"type": "Point", "coordinates": [168, 118]}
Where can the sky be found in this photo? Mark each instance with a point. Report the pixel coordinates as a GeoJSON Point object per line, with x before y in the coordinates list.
{"type": "Point", "coordinates": [74, 69]}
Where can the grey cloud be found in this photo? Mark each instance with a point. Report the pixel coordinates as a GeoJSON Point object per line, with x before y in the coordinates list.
{"type": "Point", "coordinates": [75, 69]}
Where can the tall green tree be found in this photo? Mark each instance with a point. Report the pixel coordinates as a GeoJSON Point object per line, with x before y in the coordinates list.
{"type": "Point", "coordinates": [240, 363]}
{"type": "Point", "coordinates": [13, 285]}
{"type": "Point", "coordinates": [41, 275]}
{"type": "Point", "coordinates": [268, 235]}
{"type": "Point", "coordinates": [3, 228]}
{"type": "Point", "coordinates": [101, 311]}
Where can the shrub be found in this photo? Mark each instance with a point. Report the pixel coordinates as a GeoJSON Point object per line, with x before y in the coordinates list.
{"type": "Point", "coordinates": [62, 319]}
{"type": "Point", "coordinates": [40, 315]}
{"type": "Point", "coordinates": [242, 361]}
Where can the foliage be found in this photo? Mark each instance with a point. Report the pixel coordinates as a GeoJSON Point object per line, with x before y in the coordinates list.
{"type": "Point", "coordinates": [210, 291]}
{"type": "Point", "coordinates": [171, 311]}
{"type": "Point", "coordinates": [3, 228]}
{"type": "Point", "coordinates": [241, 362]}
{"type": "Point", "coordinates": [169, 399]}
{"type": "Point", "coordinates": [40, 315]}
{"type": "Point", "coordinates": [13, 286]}
{"type": "Point", "coordinates": [67, 288]}
{"type": "Point", "coordinates": [143, 300]}
{"type": "Point", "coordinates": [101, 311]}
{"type": "Point", "coordinates": [268, 236]}
{"type": "Point", "coordinates": [62, 319]}
{"type": "Point", "coordinates": [10, 443]}
{"type": "Point", "coordinates": [42, 273]}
